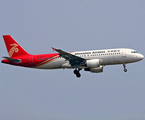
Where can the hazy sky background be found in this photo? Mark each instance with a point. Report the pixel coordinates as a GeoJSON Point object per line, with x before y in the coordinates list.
{"type": "Point", "coordinates": [73, 25]}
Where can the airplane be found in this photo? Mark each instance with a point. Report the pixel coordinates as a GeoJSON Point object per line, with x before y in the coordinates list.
{"type": "Point", "coordinates": [93, 60]}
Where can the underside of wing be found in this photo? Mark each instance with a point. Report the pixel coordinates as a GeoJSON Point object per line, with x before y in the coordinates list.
{"type": "Point", "coordinates": [73, 59]}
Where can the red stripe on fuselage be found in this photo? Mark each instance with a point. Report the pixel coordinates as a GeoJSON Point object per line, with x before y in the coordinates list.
{"type": "Point", "coordinates": [33, 60]}
{"type": "Point", "coordinates": [46, 60]}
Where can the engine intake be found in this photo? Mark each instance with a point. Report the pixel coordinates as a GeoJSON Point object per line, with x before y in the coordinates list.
{"type": "Point", "coordinates": [93, 63]}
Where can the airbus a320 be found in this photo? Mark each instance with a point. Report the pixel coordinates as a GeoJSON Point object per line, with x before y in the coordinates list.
{"type": "Point", "coordinates": [93, 60]}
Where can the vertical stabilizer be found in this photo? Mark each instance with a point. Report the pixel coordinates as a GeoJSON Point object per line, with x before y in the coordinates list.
{"type": "Point", "coordinates": [13, 48]}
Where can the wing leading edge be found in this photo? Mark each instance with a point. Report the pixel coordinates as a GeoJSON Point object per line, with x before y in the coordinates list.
{"type": "Point", "coordinates": [73, 59]}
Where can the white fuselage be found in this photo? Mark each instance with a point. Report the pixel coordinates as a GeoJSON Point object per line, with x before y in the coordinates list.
{"type": "Point", "coordinates": [107, 56]}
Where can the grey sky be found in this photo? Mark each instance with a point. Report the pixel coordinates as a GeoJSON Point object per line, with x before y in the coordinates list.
{"type": "Point", "coordinates": [31, 94]}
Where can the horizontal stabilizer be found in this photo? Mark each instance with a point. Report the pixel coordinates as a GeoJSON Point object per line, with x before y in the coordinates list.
{"type": "Point", "coordinates": [13, 60]}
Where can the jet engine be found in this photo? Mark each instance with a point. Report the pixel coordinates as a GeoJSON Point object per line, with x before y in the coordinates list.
{"type": "Point", "coordinates": [95, 70]}
{"type": "Point", "coordinates": [93, 63]}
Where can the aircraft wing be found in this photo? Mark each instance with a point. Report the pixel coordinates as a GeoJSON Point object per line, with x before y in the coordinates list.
{"type": "Point", "coordinates": [73, 59]}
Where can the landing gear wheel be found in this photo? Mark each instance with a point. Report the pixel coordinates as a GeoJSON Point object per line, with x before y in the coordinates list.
{"type": "Point", "coordinates": [78, 75]}
{"type": "Point", "coordinates": [125, 70]}
{"type": "Point", "coordinates": [75, 71]}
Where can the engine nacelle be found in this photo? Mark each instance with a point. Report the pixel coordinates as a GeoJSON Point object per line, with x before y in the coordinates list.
{"type": "Point", "coordinates": [95, 70]}
{"type": "Point", "coordinates": [93, 63]}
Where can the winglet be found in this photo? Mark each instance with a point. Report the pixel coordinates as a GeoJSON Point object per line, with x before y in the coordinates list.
{"type": "Point", "coordinates": [53, 49]}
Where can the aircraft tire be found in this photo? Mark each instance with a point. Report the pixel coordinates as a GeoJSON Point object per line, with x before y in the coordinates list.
{"type": "Point", "coordinates": [125, 70]}
{"type": "Point", "coordinates": [78, 75]}
{"type": "Point", "coordinates": [75, 72]}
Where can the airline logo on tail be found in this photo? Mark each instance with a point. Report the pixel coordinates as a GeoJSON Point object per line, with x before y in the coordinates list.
{"type": "Point", "coordinates": [13, 49]}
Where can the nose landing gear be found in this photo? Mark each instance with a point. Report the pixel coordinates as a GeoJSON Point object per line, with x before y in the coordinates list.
{"type": "Point", "coordinates": [125, 70]}
{"type": "Point", "coordinates": [77, 73]}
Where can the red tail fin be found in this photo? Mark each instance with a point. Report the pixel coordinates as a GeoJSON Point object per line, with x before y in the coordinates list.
{"type": "Point", "coordinates": [13, 48]}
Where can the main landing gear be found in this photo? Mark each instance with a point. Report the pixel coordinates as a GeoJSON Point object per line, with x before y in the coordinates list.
{"type": "Point", "coordinates": [77, 73]}
{"type": "Point", "coordinates": [125, 70]}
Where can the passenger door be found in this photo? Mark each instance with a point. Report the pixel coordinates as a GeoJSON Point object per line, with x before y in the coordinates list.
{"type": "Point", "coordinates": [30, 59]}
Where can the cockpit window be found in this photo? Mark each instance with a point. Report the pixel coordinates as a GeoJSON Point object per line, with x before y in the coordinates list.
{"type": "Point", "coordinates": [133, 51]}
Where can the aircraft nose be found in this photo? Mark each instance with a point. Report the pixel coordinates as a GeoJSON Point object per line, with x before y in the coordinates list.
{"type": "Point", "coordinates": [141, 57]}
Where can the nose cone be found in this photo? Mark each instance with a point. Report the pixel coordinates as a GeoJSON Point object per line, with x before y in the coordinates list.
{"type": "Point", "coordinates": [141, 57]}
